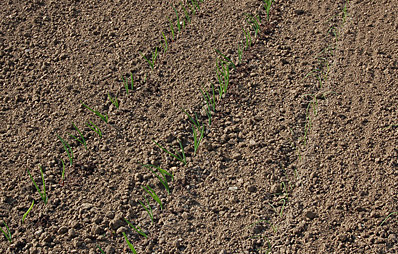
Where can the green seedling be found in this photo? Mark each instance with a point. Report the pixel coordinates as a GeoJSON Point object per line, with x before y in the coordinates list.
{"type": "Point", "coordinates": [165, 45]}
{"type": "Point", "coordinates": [147, 208]}
{"type": "Point", "coordinates": [163, 178]}
{"type": "Point", "coordinates": [94, 127]}
{"type": "Point", "coordinates": [103, 252]}
{"type": "Point", "coordinates": [153, 60]}
{"type": "Point", "coordinates": [126, 86]}
{"type": "Point", "coordinates": [153, 194]}
{"type": "Point", "coordinates": [195, 5]}
{"type": "Point", "coordinates": [63, 171]}
{"type": "Point", "coordinates": [7, 232]}
{"type": "Point", "coordinates": [187, 17]}
{"type": "Point", "coordinates": [27, 212]}
{"type": "Point", "coordinates": [223, 77]}
{"type": "Point", "coordinates": [240, 50]}
{"type": "Point", "coordinates": [171, 29]}
{"type": "Point", "coordinates": [43, 194]}
{"type": "Point", "coordinates": [248, 38]}
{"type": "Point", "coordinates": [191, 119]}
{"type": "Point", "coordinates": [210, 101]}
{"type": "Point", "coordinates": [345, 11]}
{"type": "Point", "coordinates": [137, 229]}
{"type": "Point", "coordinates": [255, 22]}
{"type": "Point", "coordinates": [114, 100]}
{"type": "Point", "coordinates": [129, 244]}
{"type": "Point", "coordinates": [103, 117]}
{"type": "Point", "coordinates": [197, 139]}
{"type": "Point", "coordinates": [267, 5]}
{"type": "Point", "coordinates": [226, 59]}
{"type": "Point", "coordinates": [178, 19]}
{"type": "Point", "coordinates": [82, 140]}
{"type": "Point", "coordinates": [388, 216]}
{"type": "Point", "coordinates": [68, 149]}
{"type": "Point", "coordinates": [282, 208]}
{"type": "Point", "coordinates": [181, 157]}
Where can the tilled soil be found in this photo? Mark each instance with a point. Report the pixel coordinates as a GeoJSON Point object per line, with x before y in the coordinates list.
{"type": "Point", "coordinates": [300, 156]}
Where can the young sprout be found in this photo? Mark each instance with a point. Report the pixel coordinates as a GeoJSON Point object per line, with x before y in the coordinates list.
{"type": "Point", "coordinates": [137, 229]}
{"type": "Point", "coordinates": [43, 194]}
{"type": "Point", "coordinates": [163, 178]}
{"type": "Point", "coordinates": [113, 100]}
{"type": "Point", "coordinates": [197, 139]}
{"type": "Point", "coordinates": [255, 22]}
{"type": "Point", "coordinates": [267, 5]}
{"type": "Point", "coordinates": [181, 157]}
{"type": "Point", "coordinates": [129, 244]}
{"type": "Point", "coordinates": [388, 216]}
{"type": "Point", "coordinates": [68, 149]}
{"type": "Point", "coordinates": [195, 5]}
{"type": "Point", "coordinates": [27, 212]}
{"type": "Point", "coordinates": [7, 232]}
{"type": "Point", "coordinates": [100, 249]}
{"type": "Point", "coordinates": [153, 60]}
{"type": "Point", "coordinates": [103, 117]}
{"type": "Point", "coordinates": [171, 29]}
{"type": "Point", "coordinates": [248, 38]}
{"type": "Point", "coordinates": [94, 127]}
{"type": "Point", "coordinates": [126, 86]}
{"type": "Point", "coordinates": [226, 59]}
{"type": "Point", "coordinates": [153, 194]}
{"type": "Point", "coordinates": [187, 17]}
{"type": "Point", "coordinates": [82, 140]}
{"type": "Point", "coordinates": [165, 43]}
{"type": "Point", "coordinates": [178, 19]}
{"type": "Point", "coordinates": [147, 208]}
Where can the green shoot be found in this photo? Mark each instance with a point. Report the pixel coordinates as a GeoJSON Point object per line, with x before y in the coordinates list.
{"type": "Point", "coordinates": [82, 140]}
{"type": "Point", "coordinates": [181, 157]}
{"type": "Point", "coordinates": [195, 4]}
{"type": "Point", "coordinates": [194, 121]}
{"type": "Point", "coordinates": [68, 149]}
{"type": "Point", "coordinates": [239, 53]}
{"type": "Point", "coordinates": [94, 127]}
{"type": "Point", "coordinates": [26, 214]}
{"type": "Point", "coordinates": [255, 22]}
{"type": "Point", "coordinates": [103, 117]}
{"type": "Point", "coordinates": [248, 38]}
{"type": "Point", "coordinates": [113, 100]}
{"type": "Point", "coordinates": [43, 194]}
{"type": "Point", "coordinates": [147, 208]}
{"type": "Point", "coordinates": [282, 208]}
{"type": "Point", "coordinates": [103, 252]}
{"type": "Point", "coordinates": [137, 229]}
{"type": "Point", "coordinates": [210, 101]}
{"type": "Point", "coordinates": [226, 59]}
{"type": "Point", "coordinates": [197, 139]}
{"type": "Point", "coordinates": [186, 14]}
{"type": "Point", "coordinates": [178, 19]}
{"type": "Point", "coordinates": [165, 43]}
{"type": "Point", "coordinates": [152, 193]}
{"type": "Point", "coordinates": [164, 173]}
{"type": "Point", "coordinates": [153, 60]}
{"type": "Point", "coordinates": [223, 77]}
{"type": "Point", "coordinates": [63, 170]}
{"type": "Point", "coordinates": [171, 29]}
{"type": "Point", "coordinates": [8, 233]}
{"type": "Point", "coordinates": [126, 86]}
{"type": "Point", "coordinates": [129, 244]}
{"type": "Point", "coordinates": [388, 216]}
{"type": "Point", "coordinates": [267, 5]}
{"type": "Point", "coordinates": [345, 11]}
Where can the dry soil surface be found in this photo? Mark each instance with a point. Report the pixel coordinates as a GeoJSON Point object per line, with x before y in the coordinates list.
{"type": "Point", "coordinates": [300, 154]}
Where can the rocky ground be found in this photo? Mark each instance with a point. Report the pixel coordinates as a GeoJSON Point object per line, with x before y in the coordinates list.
{"type": "Point", "coordinates": [300, 155]}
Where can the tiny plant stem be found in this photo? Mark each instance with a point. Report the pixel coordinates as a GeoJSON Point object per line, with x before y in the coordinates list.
{"type": "Point", "coordinates": [267, 5]}
{"type": "Point", "coordinates": [129, 244]}
{"type": "Point", "coordinates": [163, 178]}
{"type": "Point", "coordinates": [82, 140]}
{"type": "Point", "coordinates": [7, 232]}
{"type": "Point", "coordinates": [43, 194]}
{"type": "Point", "coordinates": [103, 117]}
{"type": "Point", "coordinates": [94, 127]}
{"type": "Point", "coordinates": [27, 212]}
{"type": "Point", "coordinates": [226, 58]}
{"type": "Point", "coordinates": [388, 216]}
{"type": "Point", "coordinates": [178, 19]}
{"type": "Point", "coordinates": [126, 86]}
{"type": "Point", "coordinates": [147, 208]}
{"type": "Point", "coordinates": [187, 17]}
{"type": "Point", "coordinates": [113, 100]}
{"type": "Point", "coordinates": [63, 170]}
{"type": "Point", "coordinates": [100, 249]}
{"type": "Point", "coordinates": [137, 229]}
{"type": "Point", "coordinates": [68, 149]}
{"type": "Point", "coordinates": [171, 29]}
{"type": "Point", "coordinates": [174, 155]}
{"type": "Point", "coordinates": [165, 45]}
{"type": "Point", "coordinates": [153, 194]}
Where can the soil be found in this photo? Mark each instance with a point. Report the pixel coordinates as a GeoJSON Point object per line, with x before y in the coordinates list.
{"type": "Point", "coordinates": [300, 156]}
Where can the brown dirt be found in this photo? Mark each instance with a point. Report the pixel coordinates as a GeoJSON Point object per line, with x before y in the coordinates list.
{"type": "Point", "coordinates": [301, 155]}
